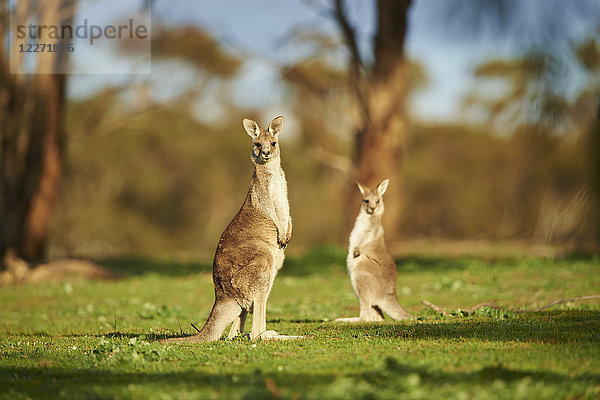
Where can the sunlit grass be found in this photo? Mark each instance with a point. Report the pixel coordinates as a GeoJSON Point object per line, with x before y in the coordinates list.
{"type": "Point", "coordinates": [84, 339]}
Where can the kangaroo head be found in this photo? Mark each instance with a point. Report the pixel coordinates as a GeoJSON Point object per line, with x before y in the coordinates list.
{"type": "Point", "coordinates": [265, 142]}
{"type": "Point", "coordinates": [373, 199]}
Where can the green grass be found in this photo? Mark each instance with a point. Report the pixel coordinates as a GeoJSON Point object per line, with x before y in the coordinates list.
{"type": "Point", "coordinates": [84, 339]}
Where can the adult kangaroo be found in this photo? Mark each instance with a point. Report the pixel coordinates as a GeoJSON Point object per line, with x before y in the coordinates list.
{"type": "Point", "coordinates": [251, 249]}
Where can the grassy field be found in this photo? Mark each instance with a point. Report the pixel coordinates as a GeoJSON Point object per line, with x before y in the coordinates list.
{"type": "Point", "coordinates": [91, 339]}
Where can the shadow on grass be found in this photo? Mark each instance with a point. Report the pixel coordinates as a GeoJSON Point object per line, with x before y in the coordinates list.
{"type": "Point", "coordinates": [486, 374]}
{"type": "Point", "coordinates": [555, 327]}
{"type": "Point", "coordinates": [44, 382]}
{"type": "Point", "coordinates": [322, 259]}
{"type": "Point", "coordinates": [318, 260]}
{"type": "Point", "coordinates": [551, 327]}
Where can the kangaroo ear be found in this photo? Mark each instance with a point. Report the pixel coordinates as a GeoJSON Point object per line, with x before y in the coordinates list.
{"type": "Point", "coordinates": [276, 125]}
{"type": "Point", "coordinates": [382, 187]}
{"type": "Point", "coordinates": [363, 190]}
{"type": "Point", "coordinates": [251, 127]}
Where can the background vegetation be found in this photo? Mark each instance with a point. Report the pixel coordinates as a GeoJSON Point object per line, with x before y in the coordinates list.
{"type": "Point", "coordinates": [159, 163]}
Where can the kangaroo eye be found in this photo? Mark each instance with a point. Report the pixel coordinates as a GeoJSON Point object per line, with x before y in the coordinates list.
{"type": "Point", "coordinates": [377, 201]}
{"type": "Point", "coordinates": [257, 144]}
{"type": "Point", "coordinates": [273, 144]}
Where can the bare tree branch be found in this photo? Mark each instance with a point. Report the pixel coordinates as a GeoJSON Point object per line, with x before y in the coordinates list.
{"type": "Point", "coordinates": [492, 304]}
{"type": "Point", "coordinates": [559, 301]}
{"type": "Point", "coordinates": [318, 8]}
{"type": "Point", "coordinates": [340, 163]}
{"type": "Point", "coordinates": [358, 79]}
{"type": "Point", "coordinates": [349, 35]}
{"type": "Point", "coordinates": [482, 305]}
{"type": "Point", "coordinates": [434, 307]}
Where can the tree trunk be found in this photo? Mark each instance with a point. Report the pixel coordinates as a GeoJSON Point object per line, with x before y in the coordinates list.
{"type": "Point", "coordinates": [590, 240]}
{"type": "Point", "coordinates": [32, 143]}
{"type": "Point", "coordinates": [380, 142]}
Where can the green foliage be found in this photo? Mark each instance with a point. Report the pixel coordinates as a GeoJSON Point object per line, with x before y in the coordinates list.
{"type": "Point", "coordinates": [193, 45]}
{"type": "Point", "coordinates": [85, 339]}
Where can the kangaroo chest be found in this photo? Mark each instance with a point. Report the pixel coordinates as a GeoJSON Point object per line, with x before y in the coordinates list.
{"type": "Point", "coordinates": [365, 231]}
{"type": "Point", "coordinates": [278, 194]}
{"type": "Point", "coordinates": [270, 194]}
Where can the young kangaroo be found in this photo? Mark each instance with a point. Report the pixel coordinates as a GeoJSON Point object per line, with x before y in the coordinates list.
{"type": "Point", "coordinates": [251, 250]}
{"type": "Point", "coordinates": [371, 267]}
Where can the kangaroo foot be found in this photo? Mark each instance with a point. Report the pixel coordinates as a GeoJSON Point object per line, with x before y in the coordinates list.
{"type": "Point", "coordinates": [351, 319]}
{"type": "Point", "coordinates": [272, 335]}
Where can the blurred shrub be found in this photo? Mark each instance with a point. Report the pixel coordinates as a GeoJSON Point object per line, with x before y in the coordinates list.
{"type": "Point", "coordinates": [462, 182]}
{"type": "Point", "coordinates": [153, 179]}
{"type": "Point", "coordinates": [159, 181]}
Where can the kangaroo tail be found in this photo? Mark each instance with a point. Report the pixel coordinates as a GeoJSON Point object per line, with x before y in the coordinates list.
{"type": "Point", "coordinates": [391, 307]}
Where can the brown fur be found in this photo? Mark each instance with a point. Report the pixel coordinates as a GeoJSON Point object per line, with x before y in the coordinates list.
{"type": "Point", "coordinates": [372, 269]}
{"type": "Point", "coordinates": [251, 249]}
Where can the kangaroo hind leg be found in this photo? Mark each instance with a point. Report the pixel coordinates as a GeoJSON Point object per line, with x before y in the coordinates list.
{"type": "Point", "coordinates": [259, 329]}
{"type": "Point", "coordinates": [238, 325]}
{"type": "Point", "coordinates": [222, 314]}
{"type": "Point", "coordinates": [392, 308]}
{"type": "Point", "coordinates": [366, 289]}
{"type": "Point", "coordinates": [369, 312]}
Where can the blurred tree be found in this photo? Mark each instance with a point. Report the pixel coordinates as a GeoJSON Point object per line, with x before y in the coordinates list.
{"type": "Point", "coordinates": [32, 138]}
{"type": "Point", "coordinates": [588, 56]}
{"type": "Point", "coordinates": [371, 97]}
{"type": "Point", "coordinates": [136, 177]}
{"type": "Point", "coordinates": [532, 93]}
{"type": "Point", "coordinates": [537, 109]}
{"type": "Point", "coordinates": [380, 91]}
{"type": "Point", "coordinates": [195, 46]}
{"type": "Point", "coordinates": [379, 82]}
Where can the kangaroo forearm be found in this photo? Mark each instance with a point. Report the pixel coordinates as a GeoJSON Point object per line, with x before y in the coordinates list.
{"type": "Point", "coordinates": [289, 230]}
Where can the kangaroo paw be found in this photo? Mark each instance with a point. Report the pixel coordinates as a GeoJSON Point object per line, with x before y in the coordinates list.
{"type": "Point", "coordinates": [268, 335]}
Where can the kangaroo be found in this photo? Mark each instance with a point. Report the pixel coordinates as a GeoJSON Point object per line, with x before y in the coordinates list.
{"type": "Point", "coordinates": [371, 267]}
{"type": "Point", "coordinates": [251, 249]}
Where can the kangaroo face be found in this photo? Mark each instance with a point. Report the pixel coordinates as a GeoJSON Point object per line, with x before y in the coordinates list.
{"type": "Point", "coordinates": [266, 147]}
{"type": "Point", "coordinates": [373, 199]}
{"type": "Point", "coordinates": [372, 202]}
{"type": "Point", "coordinates": [265, 143]}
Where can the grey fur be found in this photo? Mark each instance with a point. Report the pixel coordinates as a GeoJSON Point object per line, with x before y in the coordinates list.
{"type": "Point", "coordinates": [251, 249]}
{"type": "Point", "coordinates": [371, 267]}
